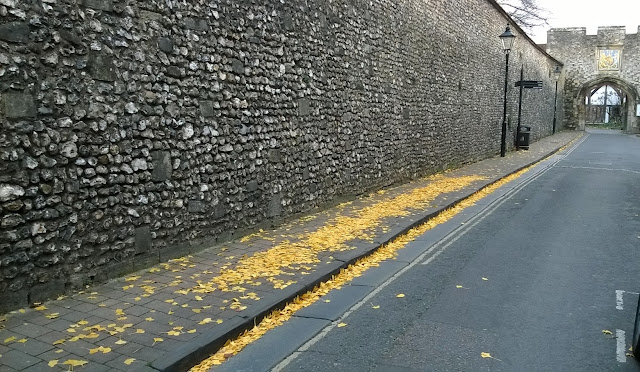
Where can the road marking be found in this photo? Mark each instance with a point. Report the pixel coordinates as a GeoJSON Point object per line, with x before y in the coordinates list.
{"type": "Point", "coordinates": [621, 346]}
{"type": "Point", "coordinates": [619, 299]}
{"type": "Point", "coordinates": [424, 255]}
{"type": "Point", "coordinates": [600, 168]}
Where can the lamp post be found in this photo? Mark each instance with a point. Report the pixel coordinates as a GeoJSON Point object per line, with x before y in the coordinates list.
{"type": "Point", "coordinates": [556, 76]}
{"type": "Point", "coordinates": [507, 38]}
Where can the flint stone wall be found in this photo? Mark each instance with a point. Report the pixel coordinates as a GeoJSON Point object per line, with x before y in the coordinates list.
{"type": "Point", "coordinates": [136, 131]}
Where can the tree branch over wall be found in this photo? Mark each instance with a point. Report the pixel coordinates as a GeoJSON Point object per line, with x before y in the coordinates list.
{"type": "Point", "coordinates": [526, 13]}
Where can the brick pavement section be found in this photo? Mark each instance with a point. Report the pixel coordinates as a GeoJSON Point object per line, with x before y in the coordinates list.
{"type": "Point", "coordinates": [171, 315]}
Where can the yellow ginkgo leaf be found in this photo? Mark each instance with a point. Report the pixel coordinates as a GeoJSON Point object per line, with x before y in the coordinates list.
{"type": "Point", "coordinates": [173, 333]}
{"type": "Point", "coordinates": [327, 301]}
{"type": "Point", "coordinates": [149, 319]}
{"type": "Point", "coordinates": [607, 332]}
{"type": "Point", "coordinates": [375, 307]}
{"type": "Point", "coordinates": [129, 361]}
{"type": "Point", "coordinates": [340, 325]}
{"type": "Point", "coordinates": [9, 339]}
{"type": "Point", "coordinates": [40, 308]}
{"type": "Point", "coordinates": [191, 331]}
{"type": "Point", "coordinates": [52, 315]}
{"type": "Point", "coordinates": [400, 295]}
{"type": "Point", "coordinates": [120, 342]}
{"type": "Point", "coordinates": [22, 341]}
{"type": "Point", "coordinates": [119, 312]}
{"type": "Point", "coordinates": [205, 321]}
{"type": "Point", "coordinates": [170, 312]}
{"type": "Point", "coordinates": [198, 298]}
{"type": "Point", "coordinates": [75, 362]}
{"type": "Point", "coordinates": [459, 286]}
{"type": "Point", "coordinates": [139, 330]}
{"type": "Point", "coordinates": [83, 322]}
{"type": "Point", "coordinates": [485, 355]}
{"type": "Point", "coordinates": [197, 311]}
{"type": "Point", "coordinates": [60, 341]}
{"type": "Point", "coordinates": [485, 278]}
{"type": "Point", "coordinates": [52, 363]}
{"type": "Point", "coordinates": [219, 321]}
{"type": "Point", "coordinates": [157, 339]}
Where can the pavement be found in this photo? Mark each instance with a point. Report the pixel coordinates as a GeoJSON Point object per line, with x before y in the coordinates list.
{"type": "Point", "coordinates": [171, 316]}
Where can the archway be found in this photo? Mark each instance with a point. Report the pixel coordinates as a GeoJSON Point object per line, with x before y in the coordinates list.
{"type": "Point", "coordinates": [607, 101]}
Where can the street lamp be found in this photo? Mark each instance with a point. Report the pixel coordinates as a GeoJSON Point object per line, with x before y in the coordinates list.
{"type": "Point", "coordinates": [507, 39]}
{"type": "Point", "coordinates": [556, 76]}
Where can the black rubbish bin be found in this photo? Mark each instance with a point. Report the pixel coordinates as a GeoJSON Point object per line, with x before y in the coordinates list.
{"type": "Point", "coordinates": [524, 136]}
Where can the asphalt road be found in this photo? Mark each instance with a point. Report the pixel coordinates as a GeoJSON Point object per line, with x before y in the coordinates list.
{"type": "Point", "coordinates": [560, 258]}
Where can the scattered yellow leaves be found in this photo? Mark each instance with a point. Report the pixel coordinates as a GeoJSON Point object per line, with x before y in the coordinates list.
{"type": "Point", "coordinates": [75, 363]}
{"type": "Point", "coordinates": [132, 278]}
{"type": "Point", "coordinates": [9, 339]}
{"type": "Point", "coordinates": [487, 355]}
{"type": "Point", "coordinates": [101, 349]}
{"type": "Point", "coordinates": [385, 252]}
{"type": "Point", "coordinates": [400, 295]}
{"type": "Point", "coordinates": [205, 321]}
{"type": "Point", "coordinates": [129, 361]}
{"type": "Point", "coordinates": [119, 312]}
{"type": "Point", "coordinates": [52, 315]}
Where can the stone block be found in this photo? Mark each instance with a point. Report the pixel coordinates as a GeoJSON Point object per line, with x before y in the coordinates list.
{"type": "Point", "coordinates": [162, 167]}
{"type": "Point", "coordinates": [287, 22]}
{"type": "Point", "coordinates": [252, 186]}
{"type": "Point", "coordinates": [195, 206]}
{"type": "Point", "coordinates": [102, 68]}
{"type": "Point", "coordinates": [106, 5]}
{"type": "Point", "coordinates": [406, 113]}
{"type": "Point", "coordinates": [220, 211]}
{"type": "Point", "coordinates": [175, 72]}
{"type": "Point", "coordinates": [274, 208]}
{"type": "Point", "coordinates": [165, 44]}
{"type": "Point", "coordinates": [48, 290]}
{"type": "Point", "coordinates": [237, 66]}
{"type": "Point", "coordinates": [304, 108]}
{"type": "Point", "coordinates": [18, 105]}
{"type": "Point", "coordinates": [145, 14]}
{"type": "Point", "coordinates": [143, 240]}
{"type": "Point", "coordinates": [10, 300]}
{"type": "Point", "coordinates": [206, 109]}
{"type": "Point", "coordinates": [196, 24]}
{"type": "Point", "coordinates": [275, 156]}
{"type": "Point", "coordinates": [14, 32]}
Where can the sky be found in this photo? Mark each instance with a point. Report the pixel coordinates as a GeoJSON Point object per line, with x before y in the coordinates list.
{"type": "Point", "coordinates": [589, 14]}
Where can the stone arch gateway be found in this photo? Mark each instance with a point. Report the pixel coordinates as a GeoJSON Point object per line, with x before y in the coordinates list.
{"type": "Point", "coordinates": [611, 57]}
{"type": "Point", "coordinates": [627, 102]}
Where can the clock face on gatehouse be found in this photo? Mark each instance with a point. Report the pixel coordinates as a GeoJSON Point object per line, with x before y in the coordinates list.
{"type": "Point", "coordinates": [609, 60]}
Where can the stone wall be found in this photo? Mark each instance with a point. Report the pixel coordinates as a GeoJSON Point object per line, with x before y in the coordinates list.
{"type": "Point", "coordinates": [580, 54]}
{"type": "Point", "coordinates": [135, 131]}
